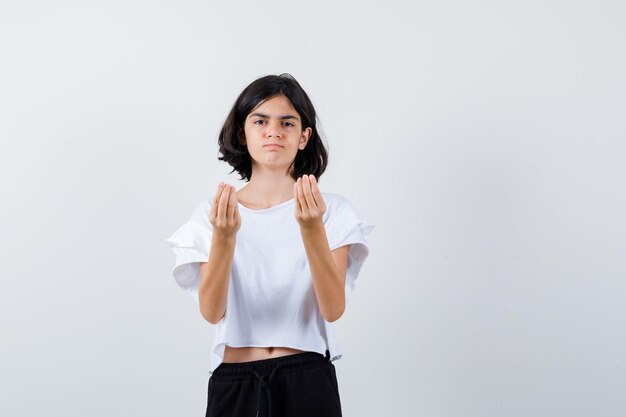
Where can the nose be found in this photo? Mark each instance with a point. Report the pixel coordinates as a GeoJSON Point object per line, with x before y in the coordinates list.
{"type": "Point", "coordinates": [274, 129]}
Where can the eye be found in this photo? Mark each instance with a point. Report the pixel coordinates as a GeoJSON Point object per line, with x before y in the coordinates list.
{"type": "Point", "coordinates": [289, 124]}
{"type": "Point", "coordinates": [257, 122]}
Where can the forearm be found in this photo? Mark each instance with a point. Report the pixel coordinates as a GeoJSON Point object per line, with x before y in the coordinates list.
{"type": "Point", "coordinates": [215, 278]}
{"type": "Point", "coordinates": [329, 285]}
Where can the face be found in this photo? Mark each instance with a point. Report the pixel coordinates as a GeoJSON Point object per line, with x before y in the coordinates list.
{"type": "Point", "coordinates": [274, 134]}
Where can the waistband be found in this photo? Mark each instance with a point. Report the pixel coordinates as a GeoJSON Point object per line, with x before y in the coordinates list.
{"type": "Point", "coordinates": [240, 371]}
{"type": "Point", "coordinates": [265, 369]}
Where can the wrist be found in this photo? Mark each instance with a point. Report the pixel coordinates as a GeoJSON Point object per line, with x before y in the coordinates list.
{"type": "Point", "coordinates": [315, 226]}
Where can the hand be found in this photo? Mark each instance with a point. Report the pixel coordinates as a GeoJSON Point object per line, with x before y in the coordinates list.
{"type": "Point", "coordinates": [310, 206]}
{"type": "Point", "coordinates": [224, 214]}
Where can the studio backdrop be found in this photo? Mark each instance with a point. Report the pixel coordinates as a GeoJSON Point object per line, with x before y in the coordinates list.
{"type": "Point", "coordinates": [486, 141]}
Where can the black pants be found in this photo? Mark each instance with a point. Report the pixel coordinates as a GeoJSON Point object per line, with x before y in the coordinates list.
{"type": "Point", "coordinates": [299, 385]}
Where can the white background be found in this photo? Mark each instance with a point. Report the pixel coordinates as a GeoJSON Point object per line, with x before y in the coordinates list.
{"type": "Point", "coordinates": [485, 140]}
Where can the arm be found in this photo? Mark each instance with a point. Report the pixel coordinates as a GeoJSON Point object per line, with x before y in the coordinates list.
{"type": "Point", "coordinates": [328, 269]}
{"type": "Point", "coordinates": [214, 279]}
{"type": "Point", "coordinates": [215, 274]}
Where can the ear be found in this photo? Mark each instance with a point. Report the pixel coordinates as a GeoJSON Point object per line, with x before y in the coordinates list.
{"type": "Point", "coordinates": [304, 137]}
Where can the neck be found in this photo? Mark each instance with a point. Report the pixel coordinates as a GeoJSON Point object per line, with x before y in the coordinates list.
{"type": "Point", "coordinates": [267, 188]}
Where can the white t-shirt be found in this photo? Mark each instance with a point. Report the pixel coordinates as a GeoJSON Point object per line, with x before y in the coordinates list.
{"type": "Point", "coordinates": [271, 299]}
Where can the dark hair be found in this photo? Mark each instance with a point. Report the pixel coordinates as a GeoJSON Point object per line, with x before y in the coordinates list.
{"type": "Point", "coordinates": [313, 159]}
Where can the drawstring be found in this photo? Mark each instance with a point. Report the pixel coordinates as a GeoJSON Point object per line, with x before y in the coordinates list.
{"type": "Point", "coordinates": [264, 384]}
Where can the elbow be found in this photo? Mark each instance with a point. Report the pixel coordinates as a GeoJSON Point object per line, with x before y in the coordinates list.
{"type": "Point", "coordinates": [212, 317]}
{"type": "Point", "coordinates": [335, 315]}
{"type": "Point", "coordinates": [332, 319]}
{"type": "Point", "coordinates": [213, 321]}
{"type": "Point", "coordinates": [338, 307]}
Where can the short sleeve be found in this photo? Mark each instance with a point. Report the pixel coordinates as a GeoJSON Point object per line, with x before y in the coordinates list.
{"type": "Point", "coordinates": [348, 226]}
{"type": "Point", "coordinates": [191, 244]}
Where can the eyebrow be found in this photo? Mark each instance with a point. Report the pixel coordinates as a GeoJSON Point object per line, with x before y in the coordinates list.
{"type": "Point", "coordinates": [283, 117]}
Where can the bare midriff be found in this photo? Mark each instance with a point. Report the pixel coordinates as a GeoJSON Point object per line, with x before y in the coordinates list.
{"type": "Point", "coordinates": [247, 354]}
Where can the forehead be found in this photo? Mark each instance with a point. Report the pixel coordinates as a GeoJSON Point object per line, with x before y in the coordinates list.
{"type": "Point", "coordinates": [275, 107]}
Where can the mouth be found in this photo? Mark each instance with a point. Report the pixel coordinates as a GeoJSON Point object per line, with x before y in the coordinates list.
{"type": "Point", "coordinates": [273, 146]}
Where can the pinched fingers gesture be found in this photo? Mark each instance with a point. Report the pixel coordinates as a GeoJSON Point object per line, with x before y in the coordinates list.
{"type": "Point", "coordinates": [224, 214]}
{"type": "Point", "coordinates": [310, 206]}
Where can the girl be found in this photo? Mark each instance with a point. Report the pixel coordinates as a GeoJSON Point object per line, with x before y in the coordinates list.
{"type": "Point", "coordinates": [272, 264]}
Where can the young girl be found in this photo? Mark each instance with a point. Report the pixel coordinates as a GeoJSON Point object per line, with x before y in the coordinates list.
{"type": "Point", "coordinates": [272, 264]}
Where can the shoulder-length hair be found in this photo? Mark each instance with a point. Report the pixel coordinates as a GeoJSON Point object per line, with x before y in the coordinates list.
{"type": "Point", "coordinates": [313, 159]}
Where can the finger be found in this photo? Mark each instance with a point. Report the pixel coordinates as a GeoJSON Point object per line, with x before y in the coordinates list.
{"type": "Point", "coordinates": [317, 194]}
{"type": "Point", "coordinates": [216, 198]}
{"type": "Point", "coordinates": [308, 195]}
{"type": "Point", "coordinates": [303, 203]}
{"type": "Point", "coordinates": [296, 197]}
{"type": "Point", "coordinates": [232, 202]}
{"type": "Point", "coordinates": [237, 217]}
{"type": "Point", "coordinates": [223, 204]}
